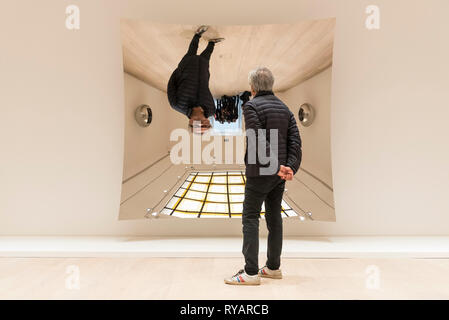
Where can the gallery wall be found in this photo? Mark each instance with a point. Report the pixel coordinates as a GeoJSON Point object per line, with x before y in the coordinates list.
{"type": "Point", "coordinates": [62, 115]}
{"type": "Point", "coordinates": [144, 146]}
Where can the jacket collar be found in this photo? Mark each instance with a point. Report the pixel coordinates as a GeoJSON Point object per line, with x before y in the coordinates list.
{"type": "Point", "coordinates": [264, 93]}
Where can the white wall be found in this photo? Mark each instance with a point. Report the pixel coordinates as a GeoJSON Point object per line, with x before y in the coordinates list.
{"type": "Point", "coordinates": [144, 146]}
{"type": "Point", "coordinates": [62, 118]}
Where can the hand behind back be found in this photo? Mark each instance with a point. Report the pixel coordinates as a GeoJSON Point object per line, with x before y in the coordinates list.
{"type": "Point", "coordinates": [286, 173]}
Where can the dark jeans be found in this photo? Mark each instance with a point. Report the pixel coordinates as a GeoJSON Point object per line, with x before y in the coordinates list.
{"type": "Point", "coordinates": [259, 189]}
{"type": "Point", "coordinates": [193, 48]}
{"type": "Point", "coordinates": [190, 86]}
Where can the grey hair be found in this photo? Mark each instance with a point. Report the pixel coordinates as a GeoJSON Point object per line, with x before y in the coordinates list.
{"type": "Point", "coordinates": [261, 79]}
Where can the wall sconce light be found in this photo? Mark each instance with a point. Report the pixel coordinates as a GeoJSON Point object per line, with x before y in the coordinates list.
{"type": "Point", "coordinates": [144, 115]}
{"type": "Point", "coordinates": [306, 114]}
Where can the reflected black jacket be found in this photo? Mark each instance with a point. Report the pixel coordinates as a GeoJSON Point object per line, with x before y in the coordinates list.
{"type": "Point", "coordinates": [266, 111]}
{"type": "Point", "coordinates": [188, 86]}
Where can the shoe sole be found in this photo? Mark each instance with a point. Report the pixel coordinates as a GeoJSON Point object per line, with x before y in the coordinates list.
{"type": "Point", "coordinates": [242, 283]}
{"type": "Point", "coordinates": [202, 32]}
{"type": "Point", "coordinates": [271, 276]}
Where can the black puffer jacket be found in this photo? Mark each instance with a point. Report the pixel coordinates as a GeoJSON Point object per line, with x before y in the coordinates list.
{"type": "Point", "coordinates": [266, 111]}
{"type": "Point", "coordinates": [188, 86]}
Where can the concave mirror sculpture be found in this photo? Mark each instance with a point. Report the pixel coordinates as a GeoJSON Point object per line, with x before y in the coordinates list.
{"type": "Point", "coordinates": [300, 57]}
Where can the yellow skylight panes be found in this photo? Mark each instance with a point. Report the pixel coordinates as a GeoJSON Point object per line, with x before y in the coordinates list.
{"type": "Point", "coordinates": [220, 179]}
{"type": "Point", "coordinates": [236, 207]}
{"type": "Point", "coordinates": [189, 205]}
{"type": "Point", "coordinates": [198, 187]}
{"type": "Point", "coordinates": [235, 180]}
{"type": "Point", "coordinates": [213, 207]}
{"type": "Point", "coordinates": [217, 188]}
{"type": "Point", "coordinates": [236, 197]}
{"type": "Point", "coordinates": [217, 197]}
{"type": "Point", "coordinates": [213, 195]}
{"type": "Point", "coordinates": [172, 203]}
{"type": "Point", "coordinates": [236, 188]}
{"type": "Point", "coordinates": [202, 179]}
{"type": "Point", "coordinates": [195, 195]}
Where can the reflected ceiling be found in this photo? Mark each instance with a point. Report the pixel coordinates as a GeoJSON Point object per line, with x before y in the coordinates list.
{"type": "Point", "coordinates": [294, 52]}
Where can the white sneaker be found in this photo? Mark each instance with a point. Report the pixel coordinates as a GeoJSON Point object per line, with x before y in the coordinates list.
{"type": "Point", "coordinates": [242, 278]}
{"type": "Point", "coordinates": [201, 29]}
{"type": "Point", "coordinates": [216, 40]}
{"type": "Point", "coordinates": [267, 273]}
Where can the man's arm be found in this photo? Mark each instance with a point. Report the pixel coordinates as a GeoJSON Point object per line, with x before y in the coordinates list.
{"type": "Point", "coordinates": [252, 120]}
{"type": "Point", "coordinates": [172, 98]}
{"type": "Point", "coordinates": [294, 145]}
{"type": "Point", "coordinates": [171, 90]}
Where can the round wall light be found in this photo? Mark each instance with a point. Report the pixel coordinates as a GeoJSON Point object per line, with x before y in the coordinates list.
{"type": "Point", "coordinates": [144, 115]}
{"type": "Point", "coordinates": [306, 114]}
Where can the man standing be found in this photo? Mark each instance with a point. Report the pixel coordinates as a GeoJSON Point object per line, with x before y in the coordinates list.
{"type": "Point", "coordinates": [276, 134]}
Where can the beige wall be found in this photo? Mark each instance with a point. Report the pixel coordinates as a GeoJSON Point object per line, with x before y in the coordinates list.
{"type": "Point", "coordinates": [62, 114]}
{"type": "Point", "coordinates": [144, 146]}
{"type": "Point", "coordinates": [316, 139]}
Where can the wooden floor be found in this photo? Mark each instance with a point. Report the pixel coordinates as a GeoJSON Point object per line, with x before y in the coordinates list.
{"type": "Point", "coordinates": [202, 278]}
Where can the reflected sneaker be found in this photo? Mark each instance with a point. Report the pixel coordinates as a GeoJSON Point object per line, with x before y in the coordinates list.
{"type": "Point", "coordinates": [242, 278]}
{"type": "Point", "coordinates": [267, 273]}
{"type": "Point", "coordinates": [216, 40]}
{"type": "Point", "coordinates": [201, 29]}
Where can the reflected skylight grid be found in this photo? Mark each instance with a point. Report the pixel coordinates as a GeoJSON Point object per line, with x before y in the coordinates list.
{"type": "Point", "coordinates": [213, 195]}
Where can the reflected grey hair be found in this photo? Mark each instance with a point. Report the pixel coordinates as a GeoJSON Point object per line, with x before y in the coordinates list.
{"type": "Point", "coordinates": [261, 79]}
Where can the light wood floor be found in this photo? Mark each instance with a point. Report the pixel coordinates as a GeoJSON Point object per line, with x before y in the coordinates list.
{"type": "Point", "coordinates": [202, 278]}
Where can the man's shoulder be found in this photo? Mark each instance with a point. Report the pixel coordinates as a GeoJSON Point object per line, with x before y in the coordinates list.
{"type": "Point", "coordinates": [267, 97]}
{"type": "Point", "coordinates": [267, 101]}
